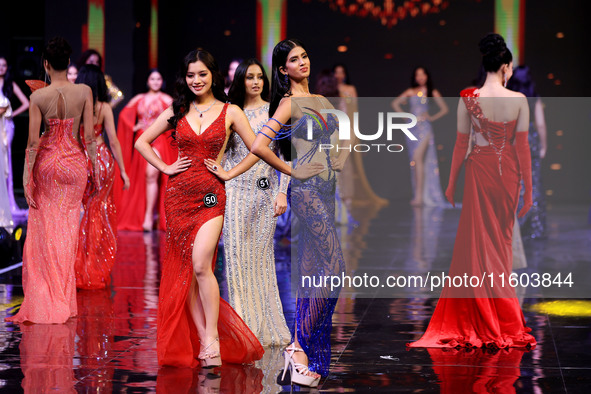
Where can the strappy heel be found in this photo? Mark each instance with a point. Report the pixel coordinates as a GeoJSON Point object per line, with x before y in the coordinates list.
{"type": "Point", "coordinates": [210, 359]}
{"type": "Point", "coordinates": [299, 372]}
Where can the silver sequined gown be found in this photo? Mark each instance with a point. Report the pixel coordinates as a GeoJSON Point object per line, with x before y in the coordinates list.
{"type": "Point", "coordinates": [249, 227]}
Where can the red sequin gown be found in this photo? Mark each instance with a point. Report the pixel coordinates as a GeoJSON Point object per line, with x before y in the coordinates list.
{"type": "Point", "coordinates": [483, 316]}
{"type": "Point", "coordinates": [58, 180]}
{"type": "Point", "coordinates": [186, 211]}
{"type": "Point", "coordinates": [97, 244]}
{"type": "Point", "coordinates": [131, 203]}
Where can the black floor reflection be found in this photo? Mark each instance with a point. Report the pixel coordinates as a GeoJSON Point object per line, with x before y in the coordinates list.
{"type": "Point", "coordinates": [111, 346]}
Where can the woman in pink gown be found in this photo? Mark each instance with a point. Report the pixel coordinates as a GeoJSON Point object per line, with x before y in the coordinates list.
{"type": "Point", "coordinates": [136, 206]}
{"type": "Point", "coordinates": [55, 179]}
{"type": "Point", "coordinates": [97, 246]}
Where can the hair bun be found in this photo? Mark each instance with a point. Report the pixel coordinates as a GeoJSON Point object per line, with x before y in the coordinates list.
{"type": "Point", "coordinates": [492, 44]}
{"type": "Point", "coordinates": [57, 52]}
{"type": "Point", "coordinates": [494, 52]}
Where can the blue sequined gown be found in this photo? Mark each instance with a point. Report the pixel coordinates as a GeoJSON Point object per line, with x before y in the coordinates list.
{"type": "Point", "coordinates": [432, 194]}
{"type": "Point", "coordinates": [533, 224]}
{"type": "Point", "coordinates": [318, 250]}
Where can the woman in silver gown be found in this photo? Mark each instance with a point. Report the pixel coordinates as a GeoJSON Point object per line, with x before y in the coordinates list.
{"type": "Point", "coordinates": [253, 202]}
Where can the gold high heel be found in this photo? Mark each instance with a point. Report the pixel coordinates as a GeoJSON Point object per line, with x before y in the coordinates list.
{"type": "Point", "coordinates": [210, 359]}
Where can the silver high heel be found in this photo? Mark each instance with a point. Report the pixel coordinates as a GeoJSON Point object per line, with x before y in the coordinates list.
{"type": "Point", "coordinates": [298, 372]}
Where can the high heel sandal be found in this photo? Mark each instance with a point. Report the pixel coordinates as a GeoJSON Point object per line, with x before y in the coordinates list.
{"type": "Point", "coordinates": [211, 359]}
{"type": "Point", "coordinates": [299, 372]}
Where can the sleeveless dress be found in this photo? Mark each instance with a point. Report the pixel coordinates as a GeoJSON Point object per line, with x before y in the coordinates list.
{"type": "Point", "coordinates": [131, 203]}
{"type": "Point", "coordinates": [483, 316]}
{"type": "Point", "coordinates": [192, 198]}
{"type": "Point", "coordinates": [97, 244]}
{"type": "Point", "coordinates": [19, 215]}
{"type": "Point", "coordinates": [57, 184]}
{"type": "Point", "coordinates": [249, 226]}
{"type": "Point", "coordinates": [319, 251]}
{"type": "Point", "coordinates": [432, 194]}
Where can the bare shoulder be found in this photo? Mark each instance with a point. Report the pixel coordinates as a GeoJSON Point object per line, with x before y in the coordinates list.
{"type": "Point", "coordinates": [233, 111]}
{"type": "Point", "coordinates": [436, 93]}
{"type": "Point", "coordinates": [168, 112]}
{"type": "Point", "coordinates": [107, 110]}
{"type": "Point", "coordinates": [167, 99]}
{"type": "Point", "coordinates": [408, 93]}
{"type": "Point", "coordinates": [84, 89]}
{"type": "Point", "coordinates": [135, 99]}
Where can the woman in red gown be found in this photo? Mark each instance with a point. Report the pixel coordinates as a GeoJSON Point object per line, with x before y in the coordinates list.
{"type": "Point", "coordinates": [193, 322]}
{"type": "Point", "coordinates": [489, 315]}
{"type": "Point", "coordinates": [55, 179]}
{"type": "Point", "coordinates": [135, 207]}
{"type": "Point", "coordinates": [97, 245]}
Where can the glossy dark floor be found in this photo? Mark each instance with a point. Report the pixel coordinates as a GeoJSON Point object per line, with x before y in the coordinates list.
{"type": "Point", "coordinates": [110, 347]}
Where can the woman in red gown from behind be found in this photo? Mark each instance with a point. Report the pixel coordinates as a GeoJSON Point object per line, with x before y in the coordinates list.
{"type": "Point", "coordinates": [97, 245]}
{"type": "Point", "coordinates": [193, 322]}
{"type": "Point", "coordinates": [488, 316]}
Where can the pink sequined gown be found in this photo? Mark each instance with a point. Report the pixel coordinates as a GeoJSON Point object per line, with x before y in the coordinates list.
{"type": "Point", "coordinates": [58, 179]}
{"type": "Point", "coordinates": [97, 244]}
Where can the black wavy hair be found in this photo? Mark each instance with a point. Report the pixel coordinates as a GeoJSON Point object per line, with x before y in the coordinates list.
{"type": "Point", "coordinates": [7, 88]}
{"type": "Point", "coordinates": [57, 52]}
{"type": "Point", "coordinates": [326, 84]}
{"type": "Point", "coordinates": [494, 52]}
{"type": "Point", "coordinates": [237, 92]}
{"type": "Point", "coordinates": [521, 81]}
{"type": "Point", "coordinates": [86, 54]}
{"type": "Point", "coordinates": [92, 76]}
{"type": "Point", "coordinates": [413, 80]}
{"type": "Point", "coordinates": [183, 95]}
{"type": "Point", "coordinates": [347, 79]}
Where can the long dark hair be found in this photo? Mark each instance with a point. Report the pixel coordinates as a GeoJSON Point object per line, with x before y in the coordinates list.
{"type": "Point", "coordinates": [88, 53]}
{"type": "Point", "coordinates": [413, 80]}
{"type": "Point", "coordinates": [7, 89]}
{"type": "Point", "coordinates": [522, 82]}
{"type": "Point", "coordinates": [91, 75]}
{"type": "Point", "coordinates": [326, 84]}
{"type": "Point", "coordinates": [280, 89]}
{"type": "Point", "coordinates": [237, 92]}
{"type": "Point", "coordinates": [183, 95]}
{"type": "Point", "coordinates": [347, 79]}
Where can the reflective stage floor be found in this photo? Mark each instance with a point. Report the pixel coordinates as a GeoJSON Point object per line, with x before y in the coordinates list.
{"type": "Point", "coordinates": [111, 346]}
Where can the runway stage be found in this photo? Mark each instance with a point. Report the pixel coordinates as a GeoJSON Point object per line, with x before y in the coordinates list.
{"type": "Point", "coordinates": [111, 346]}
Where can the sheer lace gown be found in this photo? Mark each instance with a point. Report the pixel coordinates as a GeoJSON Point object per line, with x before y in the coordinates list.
{"type": "Point", "coordinates": [319, 251]}
{"type": "Point", "coordinates": [58, 180]}
{"type": "Point", "coordinates": [249, 227]}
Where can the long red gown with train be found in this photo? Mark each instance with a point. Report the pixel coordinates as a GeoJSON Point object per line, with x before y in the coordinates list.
{"type": "Point", "coordinates": [57, 184]}
{"type": "Point", "coordinates": [186, 211]}
{"type": "Point", "coordinates": [131, 203]}
{"type": "Point", "coordinates": [483, 316]}
{"type": "Point", "coordinates": [97, 244]}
